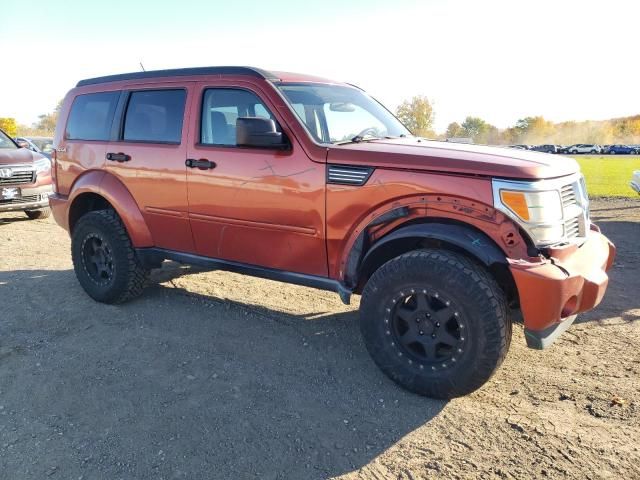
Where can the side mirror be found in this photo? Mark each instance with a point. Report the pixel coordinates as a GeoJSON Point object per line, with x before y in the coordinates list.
{"type": "Point", "coordinates": [259, 132]}
{"type": "Point", "coordinates": [23, 144]}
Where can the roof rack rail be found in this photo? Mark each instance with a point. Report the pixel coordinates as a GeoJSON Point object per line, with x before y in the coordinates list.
{"type": "Point", "coordinates": [250, 71]}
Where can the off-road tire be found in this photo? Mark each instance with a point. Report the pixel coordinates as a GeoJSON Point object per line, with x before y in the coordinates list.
{"type": "Point", "coordinates": [472, 292]}
{"type": "Point", "coordinates": [128, 277]}
{"type": "Point", "coordinates": [39, 214]}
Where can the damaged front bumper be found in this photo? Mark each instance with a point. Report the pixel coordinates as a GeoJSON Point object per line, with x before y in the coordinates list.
{"type": "Point", "coordinates": [571, 281]}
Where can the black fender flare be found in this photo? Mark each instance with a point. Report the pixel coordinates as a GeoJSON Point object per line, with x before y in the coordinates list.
{"type": "Point", "coordinates": [452, 236]}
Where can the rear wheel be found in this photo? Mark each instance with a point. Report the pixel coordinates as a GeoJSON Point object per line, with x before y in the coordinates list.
{"type": "Point", "coordinates": [104, 260]}
{"type": "Point", "coordinates": [38, 214]}
{"type": "Point", "coordinates": [435, 323]}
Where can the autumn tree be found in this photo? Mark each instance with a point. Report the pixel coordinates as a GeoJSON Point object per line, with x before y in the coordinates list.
{"type": "Point", "coordinates": [417, 115]}
{"type": "Point", "coordinates": [9, 126]}
{"type": "Point", "coordinates": [454, 130]}
{"type": "Point", "coordinates": [46, 123]}
{"type": "Point", "coordinates": [479, 130]}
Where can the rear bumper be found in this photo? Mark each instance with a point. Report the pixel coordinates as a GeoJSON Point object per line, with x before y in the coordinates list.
{"type": "Point", "coordinates": [554, 291]}
{"type": "Point", "coordinates": [59, 205]}
{"type": "Point", "coordinates": [31, 198]}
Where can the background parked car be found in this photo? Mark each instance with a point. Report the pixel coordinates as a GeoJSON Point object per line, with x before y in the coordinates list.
{"type": "Point", "coordinates": [545, 148]}
{"type": "Point", "coordinates": [583, 148]}
{"type": "Point", "coordinates": [520, 147]}
{"type": "Point", "coordinates": [622, 150]}
{"type": "Point", "coordinates": [43, 145]}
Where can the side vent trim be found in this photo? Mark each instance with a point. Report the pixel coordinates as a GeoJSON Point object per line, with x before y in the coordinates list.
{"type": "Point", "coordinates": [348, 175]}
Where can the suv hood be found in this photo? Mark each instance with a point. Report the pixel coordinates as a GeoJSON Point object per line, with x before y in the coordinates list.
{"type": "Point", "coordinates": [18, 156]}
{"type": "Point", "coordinates": [419, 154]}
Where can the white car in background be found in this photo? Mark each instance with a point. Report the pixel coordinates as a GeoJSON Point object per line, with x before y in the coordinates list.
{"type": "Point", "coordinates": [584, 148]}
{"type": "Point", "coordinates": [635, 181]}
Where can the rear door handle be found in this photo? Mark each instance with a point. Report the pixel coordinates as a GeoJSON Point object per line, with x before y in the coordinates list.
{"type": "Point", "coordinates": [202, 163]}
{"type": "Point", "coordinates": [118, 157]}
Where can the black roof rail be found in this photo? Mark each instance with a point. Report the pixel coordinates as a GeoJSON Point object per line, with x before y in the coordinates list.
{"type": "Point", "coordinates": [250, 71]}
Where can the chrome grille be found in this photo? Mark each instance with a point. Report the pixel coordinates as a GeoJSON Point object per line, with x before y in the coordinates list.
{"type": "Point", "coordinates": [568, 195]}
{"type": "Point", "coordinates": [572, 228]}
{"type": "Point", "coordinates": [575, 206]}
{"type": "Point", "coordinates": [346, 175]}
{"type": "Point", "coordinates": [19, 177]}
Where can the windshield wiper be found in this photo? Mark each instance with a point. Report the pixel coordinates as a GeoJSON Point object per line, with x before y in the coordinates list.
{"type": "Point", "coordinates": [368, 138]}
{"type": "Point", "coordinates": [358, 139]}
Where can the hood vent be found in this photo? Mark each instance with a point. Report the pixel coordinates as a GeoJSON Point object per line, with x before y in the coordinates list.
{"type": "Point", "coordinates": [347, 175]}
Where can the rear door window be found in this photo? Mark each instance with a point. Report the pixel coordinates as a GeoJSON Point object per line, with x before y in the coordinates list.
{"type": "Point", "coordinates": [91, 116]}
{"type": "Point", "coordinates": [155, 116]}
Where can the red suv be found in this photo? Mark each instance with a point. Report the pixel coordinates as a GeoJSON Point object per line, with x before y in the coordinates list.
{"type": "Point", "coordinates": [313, 182]}
{"type": "Point", "coordinates": [25, 180]}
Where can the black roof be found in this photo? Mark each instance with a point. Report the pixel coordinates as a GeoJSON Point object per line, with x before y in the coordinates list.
{"type": "Point", "coordinates": [250, 71]}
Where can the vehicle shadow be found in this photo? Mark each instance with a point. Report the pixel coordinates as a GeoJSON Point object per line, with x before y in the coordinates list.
{"type": "Point", "coordinates": [8, 219]}
{"type": "Point", "coordinates": [621, 299]}
{"type": "Point", "coordinates": [182, 385]}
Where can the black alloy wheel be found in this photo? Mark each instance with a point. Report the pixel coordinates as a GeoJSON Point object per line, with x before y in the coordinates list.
{"type": "Point", "coordinates": [427, 327]}
{"type": "Point", "coordinates": [97, 259]}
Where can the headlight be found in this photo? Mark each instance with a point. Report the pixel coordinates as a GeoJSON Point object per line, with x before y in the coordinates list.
{"type": "Point", "coordinates": [550, 211]}
{"type": "Point", "coordinates": [534, 207]}
{"type": "Point", "coordinates": [42, 165]}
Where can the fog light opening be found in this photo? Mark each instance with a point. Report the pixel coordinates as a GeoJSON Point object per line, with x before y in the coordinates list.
{"type": "Point", "coordinates": [570, 307]}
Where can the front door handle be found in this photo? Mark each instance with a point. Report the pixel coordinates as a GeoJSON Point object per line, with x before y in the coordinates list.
{"type": "Point", "coordinates": [202, 163]}
{"type": "Point", "coordinates": [118, 157]}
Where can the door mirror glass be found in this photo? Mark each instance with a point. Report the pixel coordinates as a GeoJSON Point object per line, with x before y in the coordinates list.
{"type": "Point", "coordinates": [258, 132]}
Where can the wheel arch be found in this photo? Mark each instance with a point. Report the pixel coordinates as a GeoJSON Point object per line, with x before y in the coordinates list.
{"type": "Point", "coordinates": [101, 190]}
{"type": "Point", "coordinates": [441, 233]}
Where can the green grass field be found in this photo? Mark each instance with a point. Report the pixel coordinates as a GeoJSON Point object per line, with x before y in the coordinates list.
{"type": "Point", "coordinates": [609, 175]}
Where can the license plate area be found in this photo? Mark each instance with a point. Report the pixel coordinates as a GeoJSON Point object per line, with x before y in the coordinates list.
{"type": "Point", "coordinates": [9, 193]}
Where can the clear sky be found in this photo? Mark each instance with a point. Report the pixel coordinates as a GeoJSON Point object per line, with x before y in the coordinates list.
{"type": "Point", "coordinates": [500, 60]}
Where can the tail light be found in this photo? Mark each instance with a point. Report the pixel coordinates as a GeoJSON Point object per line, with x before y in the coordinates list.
{"type": "Point", "coordinates": [54, 173]}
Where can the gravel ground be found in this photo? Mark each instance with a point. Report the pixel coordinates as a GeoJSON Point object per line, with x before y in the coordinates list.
{"type": "Point", "coordinates": [214, 375]}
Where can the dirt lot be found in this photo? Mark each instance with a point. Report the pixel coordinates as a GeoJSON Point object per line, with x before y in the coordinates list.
{"type": "Point", "coordinates": [213, 375]}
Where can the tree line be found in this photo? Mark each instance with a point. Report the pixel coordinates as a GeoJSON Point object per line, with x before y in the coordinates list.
{"type": "Point", "coordinates": [45, 126]}
{"type": "Point", "coordinates": [418, 115]}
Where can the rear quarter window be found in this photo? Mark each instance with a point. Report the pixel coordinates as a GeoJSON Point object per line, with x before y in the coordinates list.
{"type": "Point", "coordinates": [91, 116]}
{"type": "Point", "coordinates": [155, 116]}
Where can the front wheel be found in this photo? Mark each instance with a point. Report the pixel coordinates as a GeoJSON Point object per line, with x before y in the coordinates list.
{"type": "Point", "coordinates": [435, 323]}
{"type": "Point", "coordinates": [104, 260]}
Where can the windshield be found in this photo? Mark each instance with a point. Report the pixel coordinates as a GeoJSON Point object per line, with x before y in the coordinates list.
{"type": "Point", "coordinates": [44, 144]}
{"type": "Point", "coordinates": [336, 114]}
{"type": "Point", "coordinates": [6, 142]}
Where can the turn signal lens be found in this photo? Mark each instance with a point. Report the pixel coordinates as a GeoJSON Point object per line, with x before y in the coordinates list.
{"type": "Point", "coordinates": [517, 203]}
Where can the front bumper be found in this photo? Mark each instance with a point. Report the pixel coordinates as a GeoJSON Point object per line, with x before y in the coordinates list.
{"type": "Point", "coordinates": [31, 198]}
{"type": "Point", "coordinates": [552, 292]}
